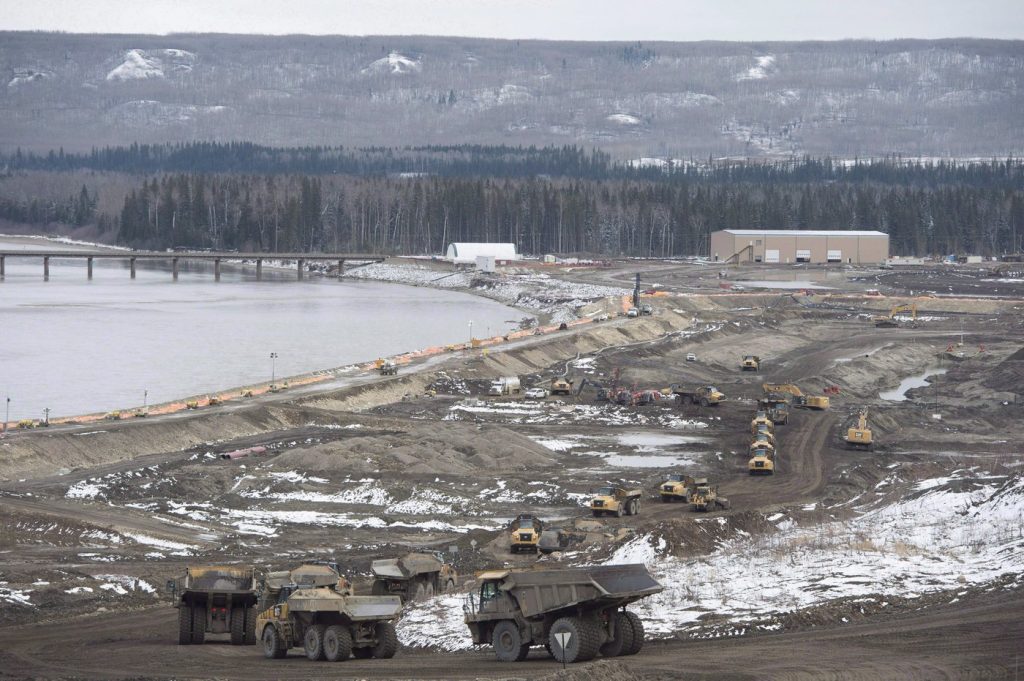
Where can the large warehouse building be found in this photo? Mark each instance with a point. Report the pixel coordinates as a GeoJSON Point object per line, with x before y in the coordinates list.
{"type": "Point", "coordinates": [782, 246]}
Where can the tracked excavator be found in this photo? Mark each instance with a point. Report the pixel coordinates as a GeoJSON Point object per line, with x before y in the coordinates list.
{"type": "Point", "coordinates": [859, 437]}
{"type": "Point", "coordinates": [890, 320]}
{"type": "Point", "coordinates": [819, 402]}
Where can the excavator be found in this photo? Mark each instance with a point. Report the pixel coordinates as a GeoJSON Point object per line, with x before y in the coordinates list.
{"type": "Point", "coordinates": [859, 437]}
{"type": "Point", "coordinates": [890, 320]}
{"type": "Point", "coordinates": [819, 402]}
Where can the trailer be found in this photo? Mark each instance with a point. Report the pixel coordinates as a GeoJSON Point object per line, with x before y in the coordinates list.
{"type": "Point", "coordinates": [576, 613]}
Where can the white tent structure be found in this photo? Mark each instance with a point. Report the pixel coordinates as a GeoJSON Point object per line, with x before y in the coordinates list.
{"type": "Point", "coordinates": [466, 253]}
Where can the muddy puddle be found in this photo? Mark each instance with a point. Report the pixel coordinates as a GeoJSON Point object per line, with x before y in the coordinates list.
{"type": "Point", "coordinates": [899, 394]}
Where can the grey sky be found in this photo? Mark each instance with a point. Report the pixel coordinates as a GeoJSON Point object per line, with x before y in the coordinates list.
{"type": "Point", "coordinates": [543, 19]}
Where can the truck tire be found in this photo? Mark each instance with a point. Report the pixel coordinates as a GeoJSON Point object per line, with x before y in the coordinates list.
{"type": "Point", "coordinates": [449, 586]}
{"type": "Point", "coordinates": [364, 653]}
{"type": "Point", "coordinates": [337, 643]}
{"type": "Point", "coordinates": [704, 402]}
{"type": "Point", "coordinates": [313, 642]}
{"type": "Point", "coordinates": [274, 647]}
{"type": "Point", "coordinates": [623, 638]}
{"type": "Point", "coordinates": [379, 588]}
{"type": "Point", "coordinates": [237, 626]}
{"type": "Point", "coordinates": [597, 514]}
{"type": "Point", "coordinates": [508, 642]}
{"type": "Point", "coordinates": [250, 626]}
{"type": "Point", "coordinates": [387, 641]}
{"type": "Point", "coordinates": [618, 511]}
{"type": "Point", "coordinates": [420, 592]}
{"type": "Point", "coordinates": [198, 623]}
{"type": "Point", "coordinates": [583, 640]}
{"type": "Point", "coordinates": [429, 591]}
{"type": "Point", "coordinates": [184, 624]}
{"type": "Point", "coordinates": [638, 633]}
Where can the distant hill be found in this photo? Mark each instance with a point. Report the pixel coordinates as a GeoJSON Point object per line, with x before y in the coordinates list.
{"type": "Point", "coordinates": [950, 98]}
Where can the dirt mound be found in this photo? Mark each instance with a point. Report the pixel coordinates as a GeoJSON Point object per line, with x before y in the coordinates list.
{"type": "Point", "coordinates": [436, 448]}
{"type": "Point", "coordinates": [602, 669]}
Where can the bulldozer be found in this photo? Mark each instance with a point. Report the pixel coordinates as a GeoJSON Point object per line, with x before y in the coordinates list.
{"type": "Point", "coordinates": [859, 437]}
{"type": "Point", "coordinates": [705, 497]}
{"type": "Point", "coordinates": [890, 320]}
{"type": "Point", "coordinates": [818, 402]}
{"type": "Point", "coordinates": [750, 363]}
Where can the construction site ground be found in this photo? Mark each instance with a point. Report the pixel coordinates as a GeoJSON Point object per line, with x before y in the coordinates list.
{"type": "Point", "coordinates": [814, 572]}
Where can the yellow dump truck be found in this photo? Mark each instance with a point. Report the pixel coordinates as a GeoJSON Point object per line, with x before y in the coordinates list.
{"type": "Point", "coordinates": [416, 575]}
{"type": "Point", "coordinates": [762, 462]}
{"type": "Point", "coordinates": [616, 501]}
{"type": "Point", "coordinates": [524, 533]}
{"type": "Point", "coordinates": [677, 487]}
{"type": "Point", "coordinates": [750, 363]}
{"type": "Point", "coordinates": [705, 395]}
{"type": "Point", "coordinates": [215, 600]}
{"type": "Point", "coordinates": [761, 418]}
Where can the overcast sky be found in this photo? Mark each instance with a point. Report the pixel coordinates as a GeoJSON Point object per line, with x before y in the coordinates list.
{"type": "Point", "coordinates": [547, 19]}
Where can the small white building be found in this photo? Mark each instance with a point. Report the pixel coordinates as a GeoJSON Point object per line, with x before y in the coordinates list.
{"type": "Point", "coordinates": [466, 253]}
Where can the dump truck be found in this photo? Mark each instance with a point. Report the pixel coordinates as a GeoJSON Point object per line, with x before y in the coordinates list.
{"type": "Point", "coordinates": [750, 363]}
{"type": "Point", "coordinates": [561, 386]}
{"type": "Point", "coordinates": [312, 610]}
{"type": "Point", "coordinates": [215, 600]}
{"type": "Point", "coordinates": [575, 613]}
{"type": "Point", "coordinates": [764, 432]}
{"type": "Point", "coordinates": [776, 405]}
{"type": "Point", "coordinates": [705, 395]}
{"type": "Point", "coordinates": [524, 533]}
{"type": "Point", "coordinates": [762, 461]}
{"type": "Point", "coordinates": [506, 386]}
{"type": "Point", "coordinates": [557, 539]}
{"type": "Point", "coordinates": [677, 487]}
{"type": "Point", "coordinates": [819, 402]}
{"type": "Point", "coordinates": [761, 419]}
{"type": "Point", "coordinates": [859, 436]}
{"type": "Point", "coordinates": [616, 501]}
{"type": "Point", "coordinates": [758, 443]}
{"type": "Point", "coordinates": [387, 367]}
{"type": "Point", "coordinates": [705, 497]}
{"type": "Point", "coordinates": [416, 575]}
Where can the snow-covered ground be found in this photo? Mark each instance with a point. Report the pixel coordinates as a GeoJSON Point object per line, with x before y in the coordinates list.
{"type": "Point", "coordinates": [962, 531]}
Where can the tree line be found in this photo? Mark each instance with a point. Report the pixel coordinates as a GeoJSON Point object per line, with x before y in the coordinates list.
{"type": "Point", "coordinates": [308, 213]}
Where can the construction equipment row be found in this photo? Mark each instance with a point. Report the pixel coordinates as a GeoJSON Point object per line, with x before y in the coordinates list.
{"type": "Point", "coordinates": [575, 613]}
{"type": "Point", "coordinates": [762, 445]}
{"type": "Point", "coordinates": [697, 492]}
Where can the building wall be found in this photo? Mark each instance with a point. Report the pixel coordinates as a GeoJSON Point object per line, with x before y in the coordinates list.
{"type": "Point", "coordinates": [789, 248]}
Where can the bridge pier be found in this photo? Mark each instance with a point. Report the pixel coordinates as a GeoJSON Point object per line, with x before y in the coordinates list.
{"type": "Point", "coordinates": [132, 265]}
{"type": "Point", "coordinates": [88, 268]}
{"type": "Point", "coordinates": [46, 268]}
{"type": "Point", "coordinates": [216, 269]}
{"type": "Point", "coordinates": [174, 268]}
{"type": "Point", "coordinates": [259, 269]}
{"type": "Point", "coordinates": [302, 266]}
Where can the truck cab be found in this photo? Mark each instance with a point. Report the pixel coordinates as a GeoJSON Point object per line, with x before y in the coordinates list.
{"type": "Point", "coordinates": [525, 531]}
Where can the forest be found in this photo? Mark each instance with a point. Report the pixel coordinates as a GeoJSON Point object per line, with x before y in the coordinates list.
{"type": "Point", "coordinates": [333, 199]}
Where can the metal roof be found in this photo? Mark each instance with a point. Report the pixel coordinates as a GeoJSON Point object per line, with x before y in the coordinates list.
{"type": "Point", "coordinates": [801, 232]}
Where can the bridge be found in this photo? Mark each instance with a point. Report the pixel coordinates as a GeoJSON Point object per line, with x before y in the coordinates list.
{"type": "Point", "coordinates": [175, 257]}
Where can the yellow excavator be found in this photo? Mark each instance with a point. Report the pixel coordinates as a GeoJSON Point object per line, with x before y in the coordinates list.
{"type": "Point", "coordinates": [819, 402]}
{"type": "Point", "coordinates": [859, 437]}
{"type": "Point", "coordinates": [890, 320]}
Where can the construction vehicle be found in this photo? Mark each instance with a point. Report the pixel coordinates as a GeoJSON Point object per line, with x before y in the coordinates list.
{"type": "Point", "coordinates": [750, 363]}
{"type": "Point", "coordinates": [762, 461]}
{"type": "Point", "coordinates": [859, 437]}
{"type": "Point", "coordinates": [758, 443]}
{"type": "Point", "coordinates": [705, 395]}
{"type": "Point", "coordinates": [413, 576]}
{"type": "Point", "coordinates": [761, 419]}
{"type": "Point", "coordinates": [561, 386]}
{"type": "Point", "coordinates": [705, 497]}
{"type": "Point", "coordinates": [311, 608]}
{"type": "Point", "coordinates": [616, 501]}
{"type": "Point", "coordinates": [646, 309]}
{"type": "Point", "coordinates": [556, 539]}
{"type": "Point", "coordinates": [506, 386]}
{"type": "Point", "coordinates": [576, 613]}
{"type": "Point", "coordinates": [215, 600]}
{"type": "Point", "coordinates": [387, 367]}
{"type": "Point", "coordinates": [602, 393]}
{"type": "Point", "coordinates": [677, 487]}
{"type": "Point", "coordinates": [891, 320]}
{"type": "Point", "coordinates": [819, 402]}
{"type": "Point", "coordinates": [525, 531]}
{"type": "Point", "coordinates": [765, 434]}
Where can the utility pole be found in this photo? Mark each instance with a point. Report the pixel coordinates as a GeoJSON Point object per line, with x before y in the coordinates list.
{"type": "Point", "coordinates": [273, 367]}
{"type": "Point", "coordinates": [46, 416]}
{"type": "Point", "coordinates": [7, 414]}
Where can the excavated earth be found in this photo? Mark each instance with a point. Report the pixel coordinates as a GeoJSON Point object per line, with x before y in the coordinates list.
{"type": "Point", "coordinates": [95, 519]}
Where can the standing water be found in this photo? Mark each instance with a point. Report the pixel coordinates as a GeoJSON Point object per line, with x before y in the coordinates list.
{"type": "Point", "coordinates": [77, 346]}
{"type": "Point", "coordinates": [899, 394]}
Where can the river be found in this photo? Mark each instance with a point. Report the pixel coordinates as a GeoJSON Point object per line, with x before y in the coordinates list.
{"type": "Point", "coordinates": [77, 346]}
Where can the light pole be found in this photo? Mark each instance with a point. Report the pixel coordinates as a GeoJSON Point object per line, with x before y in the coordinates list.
{"type": "Point", "coordinates": [46, 416]}
{"type": "Point", "coordinates": [471, 332]}
{"type": "Point", "coordinates": [145, 399]}
{"type": "Point", "coordinates": [7, 414]}
{"type": "Point", "coordinates": [273, 367]}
